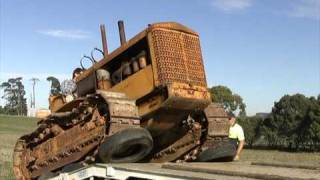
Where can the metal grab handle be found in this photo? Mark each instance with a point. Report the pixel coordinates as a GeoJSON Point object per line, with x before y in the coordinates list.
{"type": "Point", "coordinates": [86, 57]}
{"type": "Point", "coordinates": [96, 49]}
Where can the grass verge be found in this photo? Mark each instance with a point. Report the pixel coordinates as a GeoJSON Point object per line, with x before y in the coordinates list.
{"type": "Point", "coordinates": [11, 128]}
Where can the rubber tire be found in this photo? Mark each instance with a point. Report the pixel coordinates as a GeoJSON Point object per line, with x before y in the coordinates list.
{"type": "Point", "coordinates": [47, 175]}
{"type": "Point", "coordinates": [71, 167]}
{"type": "Point", "coordinates": [116, 149]}
{"type": "Point", "coordinates": [223, 152]}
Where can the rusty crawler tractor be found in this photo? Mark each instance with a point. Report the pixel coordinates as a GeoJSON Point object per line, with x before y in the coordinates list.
{"type": "Point", "coordinates": [147, 101]}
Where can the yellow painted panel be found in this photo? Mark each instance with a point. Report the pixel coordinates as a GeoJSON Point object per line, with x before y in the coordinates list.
{"type": "Point", "coordinates": [137, 85]}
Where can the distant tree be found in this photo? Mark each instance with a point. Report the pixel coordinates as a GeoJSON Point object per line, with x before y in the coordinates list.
{"type": "Point", "coordinates": [1, 110]}
{"type": "Point", "coordinates": [55, 86]}
{"type": "Point", "coordinates": [294, 123]}
{"type": "Point", "coordinates": [232, 102]}
{"type": "Point", "coordinates": [310, 128]}
{"type": "Point", "coordinates": [250, 127]}
{"type": "Point", "coordinates": [14, 93]}
{"type": "Point", "coordinates": [314, 128]}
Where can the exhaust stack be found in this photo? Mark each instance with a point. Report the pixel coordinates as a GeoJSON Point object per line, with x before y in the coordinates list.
{"type": "Point", "coordinates": [104, 40]}
{"type": "Point", "coordinates": [121, 32]}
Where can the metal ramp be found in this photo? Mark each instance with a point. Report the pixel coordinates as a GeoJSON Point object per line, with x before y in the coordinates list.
{"type": "Point", "coordinates": [130, 171]}
{"type": "Point", "coordinates": [178, 171]}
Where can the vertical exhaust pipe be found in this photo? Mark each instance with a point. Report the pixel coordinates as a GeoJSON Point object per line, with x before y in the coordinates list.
{"type": "Point", "coordinates": [121, 32]}
{"type": "Point", "coordinates": [104, 40]}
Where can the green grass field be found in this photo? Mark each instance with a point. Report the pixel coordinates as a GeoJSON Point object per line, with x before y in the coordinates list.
{"type": "Point", "coordinates": [12, 127]}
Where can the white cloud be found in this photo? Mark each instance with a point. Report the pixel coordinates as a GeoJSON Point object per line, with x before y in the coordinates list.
{"type": "Point", "coordinates": [70, 34]}
{"type": "Point", "coordinates": [229, 6]}
{"type": "Point", "coordinates": [305, 9]}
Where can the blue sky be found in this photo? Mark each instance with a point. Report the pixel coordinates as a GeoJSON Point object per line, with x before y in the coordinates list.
{"type": "Point", "coordinates": [260, 49]}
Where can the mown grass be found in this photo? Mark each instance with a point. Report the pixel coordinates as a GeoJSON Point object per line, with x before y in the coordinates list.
{"type": "Point", "coordinates": [11, 128]}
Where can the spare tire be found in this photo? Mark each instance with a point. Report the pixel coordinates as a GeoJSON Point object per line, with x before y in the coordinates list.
{"type": "Point", "coordinates": [225, 151]}
{"type": "Point", "coordinates": [127, 146]}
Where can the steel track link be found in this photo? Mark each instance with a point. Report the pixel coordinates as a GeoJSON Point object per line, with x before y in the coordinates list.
{"type": "Point", "coordinates": [66, 137]}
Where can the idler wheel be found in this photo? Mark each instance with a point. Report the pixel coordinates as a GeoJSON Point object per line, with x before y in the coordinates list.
{"type": "Point", "coordinates": [127, 146]}
{"type": "Point", "coordinates": [225, 151]}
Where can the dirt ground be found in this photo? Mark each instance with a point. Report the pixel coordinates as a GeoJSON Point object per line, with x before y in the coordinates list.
{"type": "Point", "coordinates": [12, 127]}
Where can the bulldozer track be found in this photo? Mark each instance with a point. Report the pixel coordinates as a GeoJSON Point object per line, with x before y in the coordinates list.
{"type": "Point", "coordinates": [59, 139]}
{"type": "Point", "coordinates": [71, 136]}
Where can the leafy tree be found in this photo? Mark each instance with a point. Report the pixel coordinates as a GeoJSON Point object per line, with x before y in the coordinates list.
{"type": "Point", "coordinates": [268, 130]}
{"type": "Point", "coordinates": [232, 102]}
{"type": "Point", "coordinates": [2, 110]}
{"type": "Point", "coordinates": [294, 123]}
{"type": "Point", "coordinates": [310, 128]}
{"type": "Point", "coordinates": [289, 113]}
{"type": "Point", "coordinates": [250, 127]}
{"type": "Point", "coordinates": [14, 94]}
{"type": "Point", "coordinates": [314, 129]}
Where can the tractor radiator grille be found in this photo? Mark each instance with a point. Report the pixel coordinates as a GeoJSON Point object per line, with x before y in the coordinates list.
{"type": "Point", "coordinates": [178, 57]}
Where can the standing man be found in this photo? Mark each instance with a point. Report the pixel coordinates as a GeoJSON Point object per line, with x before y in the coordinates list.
{"type": "Point", "coordinates": [236, 135]}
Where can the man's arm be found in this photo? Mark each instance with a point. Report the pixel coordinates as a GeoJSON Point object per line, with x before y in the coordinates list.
{"type": "Point", "coordinates": [241, 143]}
{"type": "Point", "coordinates": [240, 147]}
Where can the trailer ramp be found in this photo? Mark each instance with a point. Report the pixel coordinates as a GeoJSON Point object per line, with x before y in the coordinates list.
{"type": "Point", "coordinates": [143, 171]}
{"type": "Point", "coordinates": [178, 171]}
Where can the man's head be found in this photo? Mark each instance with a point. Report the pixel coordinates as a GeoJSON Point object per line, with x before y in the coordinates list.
{"type": "Point", "coordinates": [76, 72]}
{"type": "Point", "coordinates": [231, 118]}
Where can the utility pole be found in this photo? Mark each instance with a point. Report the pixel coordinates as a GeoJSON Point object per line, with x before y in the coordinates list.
{"type": "Point", "coordinates": [33, 101]}
{"type": "Point", "coordinates": [30, 101]}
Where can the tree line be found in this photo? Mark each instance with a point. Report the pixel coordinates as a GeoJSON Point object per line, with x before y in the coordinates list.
{"type": "Point", "coordinates": [293, 123]}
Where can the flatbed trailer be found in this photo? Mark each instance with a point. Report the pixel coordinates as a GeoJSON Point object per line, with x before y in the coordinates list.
{"type": "Point", "coordinates": [178, 171]}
